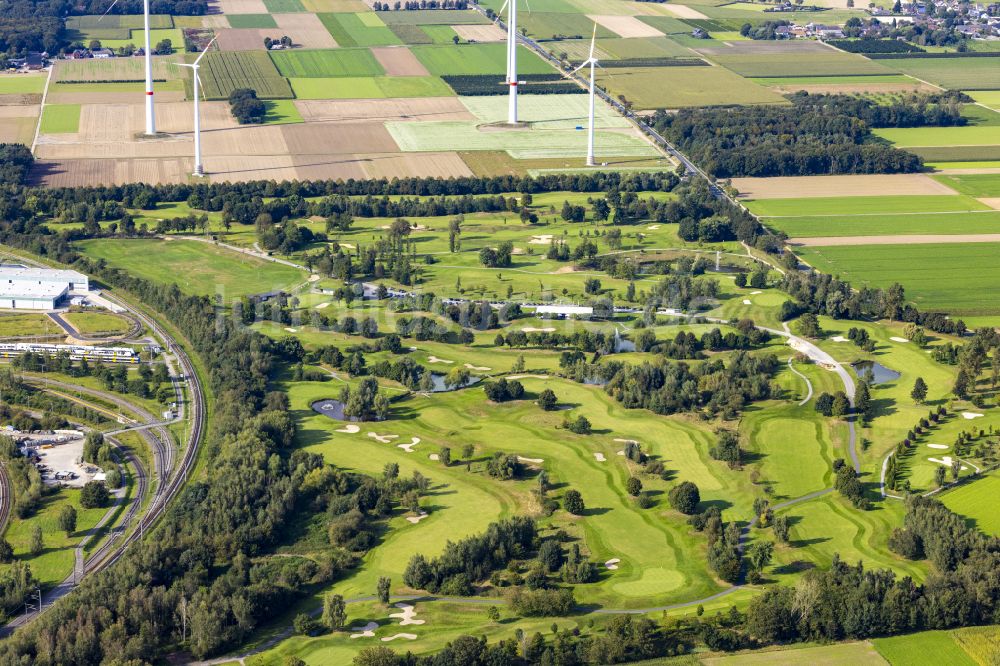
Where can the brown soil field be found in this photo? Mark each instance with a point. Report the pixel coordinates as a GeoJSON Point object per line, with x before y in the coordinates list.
{"type": "Point", "coordinates": [241, 7]}
{"type": "Point", "coordinates": [334, 6]}
{"type": "Point", "coordinates": [333, 138]}
{"type": "Point", "coordinates": [70, 147]}
{"type": "Point", "coordinates": [399, 61]}
{"type": "Point", "coordinates": [683, 11]}
{"type": "Point", "coordinates": [838, 186]}
{"type": "Point", "coordinates": [762, 47]}
{"type": "Point", "coordinates": [968, 172]}
{"type": "Point", "coordinates": [215, 21]}
{"type": "Point", "coordinates": [305, 30]}
{"type": "Point", "coordinates": [992, 202]}
{"type": "Point", "coordinates": [17, 129]}
{"type": "Point", "coordinates": [856, 89]}
{"type": "Point", "coordinates": [233, 169]}
{"type": "Point", "coordinates": [29, 111]}
{"type": "Point", "coordinates": [435, 165]}
{"type": "Point", "coordinates": [627, 26]}
{"type": "Point", "coordinates": [113, 97]}
{"type": "Point", "coordinates": [74, 173]}
{"type": "Point", "coordinates": [18, 99]}
{"type": "Point", "coordinates": [257, 140]}
{"type": "Point", "coordinates": [242, 39]}
{"type": "Point", "coordinates": [321, 167]}
{"type": "Point", "coordinates": [381, 110]}
{"type": "Point", "coordinates": [480, 33]}
{"type": "Point", "coordinates": [918, 239]}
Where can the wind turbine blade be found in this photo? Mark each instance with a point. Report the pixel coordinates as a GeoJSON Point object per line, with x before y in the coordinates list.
{"type": "Point", "coordinates": [582, 65]}
{"type": "Point", "coordinates": [207, 47]}
{"type": "Point", "coordinates": [110, 7]}
{"type": "Point", "coordinates": [499, 13]}
{"type": "Point", "coordinates": [201, 86]}
{"type": "Point", "coordinates": [593, 39]}
{"type": "Point", "coordinates": [528, 5]}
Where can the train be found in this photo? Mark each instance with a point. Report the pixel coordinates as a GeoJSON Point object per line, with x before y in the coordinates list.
{"type": "Point", "coordinates": [76, 352]}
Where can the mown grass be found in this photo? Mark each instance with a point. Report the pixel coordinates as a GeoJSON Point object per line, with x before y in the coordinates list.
{"type": "Point", "coordinates": [21, 83]}
{"type": "Point", "coordinates": [373, 87]}
{"type": "Point", "coordinates": [224, 71]}
{"type": "Point", "coordinates": [976, 501]}
{"type": "Point", "coordinates": [928, 647]}
{"type": "Point", "coordinates": [61, 119]}
{"type": "Point", "coordinates": [27, 324]}
{"type": "Point", "coordinates": [975, 185]}
{"type": "Point", "coordinates": [97, 322]}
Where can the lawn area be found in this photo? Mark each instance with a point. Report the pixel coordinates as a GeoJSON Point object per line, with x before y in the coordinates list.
{"type": "Point", "coordinates": [952, 73]}
{"type": "Point", "coordinates": [477, 59]}
{"type": "Point", "coordinates": [327, 63]}
{"type": "Point", "coordinates": [675, 87]}
{"type": "Point", "coordinates": [928, 647]}
{"type": "Point", "coordinates": [27, 324]}
{"type": "Point", "coordinates": [196, 267]}
{"type": "Point", "coordinates": [61, 119]}
{"type": "Point", "coordinates": [950, 277]}
{"type": "Point", "coordinates": [861, 653]}
{"type": "Point", "coordinates": [21, 83]}
{"type": "Point", "coordinates": [976, 501]}
{"type": "Point", "coordinates": [56, 560]}
{"type": "Point", "coordinates": [97, 322]}
{"type": "Point", "coordinates": [281, 112]}
{"type": "Point", "coordinates": [359, 30]}
{"type": "Point", "coordinates": [973, 135]}
{"type": "Point", "coordinates": [968, 222]}
{"type": "Point", "coordinates": [375, 87]}
{"type": "Point", "coordinates": [990, 98]}
{"type": "Point", "coordinates": [867, 205]}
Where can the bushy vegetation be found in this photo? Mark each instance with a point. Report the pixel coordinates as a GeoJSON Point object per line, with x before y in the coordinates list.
{"type": "Point", "coordinates": [16, 161]}
{"type": "Point", "coordinates": [245, 106]}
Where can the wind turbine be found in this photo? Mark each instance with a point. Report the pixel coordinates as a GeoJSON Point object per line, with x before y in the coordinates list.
{"type": "Point", "coordinates": [150, 114]}
{"type": "Point", "coordinates": [512, 82]}
{"type": "Point", "coordinates": [198, 168]}
{"type": "Point", "coordinates": [592, 61]}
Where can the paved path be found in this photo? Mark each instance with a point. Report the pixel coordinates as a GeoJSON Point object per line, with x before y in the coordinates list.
{"type": "Point", "coordinates": [41, 109]}
{"type": "Point", "coordinates": [809, 386]}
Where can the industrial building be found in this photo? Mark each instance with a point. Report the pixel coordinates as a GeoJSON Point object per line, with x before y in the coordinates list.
{"type": "Point", "coordinates": [27, 288]}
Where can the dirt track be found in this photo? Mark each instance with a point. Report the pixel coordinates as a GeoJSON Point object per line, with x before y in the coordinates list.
{"type": "Point", "coordinates": [920, 239]}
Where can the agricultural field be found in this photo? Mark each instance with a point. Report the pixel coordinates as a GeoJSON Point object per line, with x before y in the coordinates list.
{"type": "Point", "coordinates": [476, 59]}
{"type": "Point", "coordinates": [365, 29]}
{"type": "Point", "coordinates": [223, 72]}
{"type": "Point", "coordinates": [61, 118]}
{"type": "Point", "coordinates": [930, 646]}
{"type": "Point", "coordinates": [676, 87]}
{"type": "Point", "coordinates": [951, 73]}
{"type": "Point", "coordinates": [800, 65]}
{"type": "Point", "coordinates": [21, 83]}
{"type": "Point", "coordinates": [113, 70]}
{"type": "Point", "coordinates": [332, 63]}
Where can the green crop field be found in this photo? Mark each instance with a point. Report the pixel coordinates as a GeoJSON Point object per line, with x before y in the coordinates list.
{"type": "Point", "coordinates": [952, 73]}
{"type": "Point", "coordinates": [951, 276]}
{"type": "Point", "coordinates": [976, 501]}
{"type": "Point", "coordinates": [98, 22]}
{"type": "Point", "coordinates": [675, 87]}
{"type": "Point", "coordinates": [375, 87]}
{"type": "Point", "coordinates": [281, 112]}
{"type": "Point", "coordinates": [21, 83]}
{"type": "Point", "coordinates": [60, 118]}
{"type": "Point", "coordinates": [546, 25]}
{"type": "Point", "coordinates": [197, 268]}
{"type": "Point", "coordinates": [668, 25]}
{"type": "Point", "coordinates": [477, 59]}
{"type": "Point", "coordinates": [433, 17]}
{"type": "Point", "coordinates": [958, 154]}
{"type": "Point", "coordinates": [283, 6]}
{"type": "Point", "coordinates": [928, 647]}
{"type": "Point", "coordinates": [968, 222]}
{"type": "Point", "coordinates": [867, 205]}
{"type": "Point", "coordinates": [327, 63]}
{"type": "Point", "coordinates": [941, 136]}
{"type": "Point", "coordinates": [224, 71]}
{"type": "Point", "coordinates": [981, 643]}
{"type": "Point", "coordinates": [975, 185]}
{"type": "Point", "coordinates": [251, 21]}
{"type": "Point", "coordinates": [645, 47]}
{"type": "Point", "coordinates": [800, 64]}
{"type": "Point", "coordinates": [442, 35]}
{"type": "Point", "coordinates": [136, 38]}
{"type": "Point", "coordinates": [352, 30]}
{"type": "Point", "coordinates": [112, 69]}
{"type": "Point", "coordinates": [411, 34]}
{"type": "Point", "coordinates": [838, 654]}
{"type": "Point", "coordinates": [833, 80]}
{"type": "Point", "coordinates": [990, 98]}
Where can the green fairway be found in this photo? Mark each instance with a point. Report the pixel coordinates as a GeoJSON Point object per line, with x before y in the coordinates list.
{"type": "Point", "coordinates": [376, 87]}
{"type": "Point", "coordinates": [949, 277]}
{"type": "Point", "coordinates": [197, 268]}
{"type": "Point", "coordinates": [21, 83]}
{"type": "Point", "coordinates": [61, 118]}
{"type": "Point", "coordinates": [976, 501]}
{"type": "Point", "coordinates": [928, 647]}
{"type": "Point", "coordinates": [675, 87]}
{"type": "Point", "coordinates": [477, 59]}
{"type": "Point", "coordinates": [794, 448]}
{"type": "Point", "coordinates": [867, 205]}
{"type": "Point", "coordinates": [964, 222]}
{"type": "Point", "coordinates": [251, 21]}
{"type": "Point", "coordinates": [975, 135]}
{"type": "Point", "coordinates": [327, 63]}
{"type": "Point", "coordinates": [952, 73]}
{"type": "Point", "coordinates": [359, 30]}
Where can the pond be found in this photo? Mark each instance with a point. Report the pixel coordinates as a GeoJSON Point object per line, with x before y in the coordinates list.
{"type": "Point", "coordinates": [439, 385]}
{"type": "Point", "coordinates": [876, 372]}
{"type": "Point", "coordinates": [333, 409]}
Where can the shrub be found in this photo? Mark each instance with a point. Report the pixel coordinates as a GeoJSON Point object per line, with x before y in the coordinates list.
{"type": "Point", "coordinates": [94, 495]}
{"type": "Point", "coordinates": [685, 497]}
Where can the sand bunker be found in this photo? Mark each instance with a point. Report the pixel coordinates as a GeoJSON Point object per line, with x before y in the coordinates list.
{"type": "Point", "coordinates": [530, 329]}
{"type": "Point", "coordinates": [537, 461]}
{"type": "Point", "coordinates": [621, 453]}
{"type": "Point", "coordinates": [839, 338]}
{"type": "Point", "coordinates": [367, 631]}
{"type": "Point", "coordinates": [409, 447]}
{"type": "Point", "coordinates": [435, 359]}
{"type": "Point", "coordinates": [322, 306]}
{"type": "Point", "coordinates": [290, 330]}
{"type": "Point", "coordinates": [612, 564]}
{"type": "Point", "coordinates": [480, 368]}
{"type": "Point", "coordinates": [527, 376]}
{"type": "Point", "coordinates": [544, 239]}
{"type": "Point", "coordinates": [385, 439]}
{"type": "Point", "coordinates": [754, 293]}
{"type": "Point", "coordinates": [408, 614]}
{"type": "Point", "coordinates": [653, 227]}
{"type": "Point", "coordinates": [937, 446]}
{"type": "Point", "coordinates": [746, 301]}
{"type": "Point", "coordinates": [945, 460]}
{"type": "Point", "coordinates": [625, 441]}
{"type": "Point", "coordinates": [434, 456]}
{"type": "Point", "coordinates": [895, 339]}
{"type": "Point", "coordinates": [409, 637]}
{"type": "Point", "coordinates": [349, 429]}
{"type": "Point", "coordinates": [971, 415]}
{"type": "Point", "coordinates": [413, 519]}
{"type": "Point", "coordinates": [599, 457]}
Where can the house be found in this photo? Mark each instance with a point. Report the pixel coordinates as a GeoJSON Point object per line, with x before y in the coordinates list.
{"type": "Point", "coordinates": [826, 31]}
{"type": "Point", "coordinates": [783, 32]}
{"type": "Point", "coordinates": [34, 61]}
{"type": "Point", "coordinates": [103, 53]}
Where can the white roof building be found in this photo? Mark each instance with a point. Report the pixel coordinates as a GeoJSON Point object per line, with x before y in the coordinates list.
{"type": "Point", "coordinates": [565, 310]}
{"type": "Point", "coordinates": [26, 288]}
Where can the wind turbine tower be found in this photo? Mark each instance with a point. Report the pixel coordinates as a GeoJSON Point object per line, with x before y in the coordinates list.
{"type": "Point", "coordinates": [511, 82]}
{"type": "Point", "coordinates": [199, 169]}
{"type": "Point", "coordinates": [592, 61]}
{"type": "Point", "coordinates": [150, 114]}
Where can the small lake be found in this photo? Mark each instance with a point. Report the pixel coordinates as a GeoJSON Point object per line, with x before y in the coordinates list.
{"type": "Point", "coordinates": [333, 409]}
{"type": "Point", "coordinates": [878, 373]}
{"type": "Point", "coordinates": [439, 385]}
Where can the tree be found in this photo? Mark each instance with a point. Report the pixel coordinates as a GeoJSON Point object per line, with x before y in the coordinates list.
{"type": "Point", "coordinates": [919, 392]}
{"type": "Point", "coordinates": [781, 528]}
{"type": "Point", "coordinates": [493, 613]}
{"type": "Point", "coordinates": [939, 475]}
{"type": "Point", "coordinates": [37, 545]}
{"type": "Point", "coordinates": [580, 425]}
{"type": "Point", "coordinates": [94, 495]}
{"type": "Point", "coordinates": [376, 656]}
{"type": "Point", "coordinates": [304, 624]}
{"type": "Point", "coordinates": [334, 612]}
{"type": "Point", "coordinates": [809, 326]}
{"type": "Point", "coordinates": [633, 486]}
{"type": "Point", "coordinates": [759, 555]}
{"type": "Point", "coordinates": [685, 497]}
{"type": "Point", "coordinates": [547, 400]}
{"type": "Point", "coordinates": [444, 455]}
{"type": "Point", "coordinates": [384, 583]}
{"type": "Point", "coordinates": [573, 502]}
{"type": "Point", "coordinates": [67, 519]}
